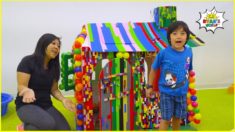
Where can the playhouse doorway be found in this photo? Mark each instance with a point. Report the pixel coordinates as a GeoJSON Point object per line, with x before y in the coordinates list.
{"type": "Point", "coordinates": [114, 89]}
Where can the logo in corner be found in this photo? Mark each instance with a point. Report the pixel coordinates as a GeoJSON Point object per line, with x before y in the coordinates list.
{"type": "Point", "coordinates": [211, 20]}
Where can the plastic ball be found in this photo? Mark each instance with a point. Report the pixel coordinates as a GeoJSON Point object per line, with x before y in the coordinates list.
{"type": "Point", "coordinates": [126, 55]}
{"type": "Point", "coordinates": [79, 122]}
{"type": "Point", "coordinates": [192, 73]}
{"type": "Point", "coordinates": [191, 113]}
{"type": "Point", "coordinates": [77, 69]}
{"type": "Point", "coordinates": [194, 104]}
{"type": "Point", "coordinates": [193, 98]}
{"type": "Point", "coordinates": [192, 85]}
{"type": "Point", "coordinates": [189, 101]}
{"type": "Point", "coordinates": [196, 110]}
{"type": "Point", "coordinates": [198, 116]}
{"type": "Point", "coordinates": [190, 107]}
{"type": "Point", "coordinates": [79, 127]}
{"type": "Point", "coordinates": [190, 118]}
{"type": "Point", "coordinates": [79, 74]}
{"type": "Point", "coordinates": [80, 116]}
{"type": "Point", "coordinates": [77, 51]}
{"type": "Point", "coordinates": [87, 78]}
{"type": "Point", "coordinates": [193, 91]}
{"type": "Point", "coordinates": [188, 95]}
{"type": "Point", "coordinates": [196, 121]}
{"type": "Point", "coordinates": [78, 87]}
{"type": "Point", "coordinates": [77, 44]}
{"type": "Point", "coordinates": [79, 97]}
{"type": "Point", "coordinates": [78, 80]}
{"type": "Point", "coordinates": [191, 79]}
{"type": "Point", "coordinates": [119, 55]}
{"type": "Point", "coordinates": [77, 63]}
{"type": "Point", "coordinates": [79, 107]}
{"type": "Point", "coordinates": [84, 30]}
{"type": "Point", "coordinates": [80, 39]}
{"type": "Point", "coordinates": [77, 57]}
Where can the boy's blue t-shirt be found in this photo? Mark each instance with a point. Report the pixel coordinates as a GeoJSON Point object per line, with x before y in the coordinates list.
{"type": "Point", "coordinates": [175, 66]}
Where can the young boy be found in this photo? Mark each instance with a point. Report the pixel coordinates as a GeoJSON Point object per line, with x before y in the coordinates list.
{"type": "Point", "coordinates": [174, 62]}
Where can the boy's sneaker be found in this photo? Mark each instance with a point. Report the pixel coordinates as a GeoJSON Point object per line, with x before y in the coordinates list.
{"type": "Point", "coordinates": [20, 127]}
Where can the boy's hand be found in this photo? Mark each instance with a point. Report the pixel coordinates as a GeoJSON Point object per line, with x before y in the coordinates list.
{"type": "Point", "coordinates": [148, 92]}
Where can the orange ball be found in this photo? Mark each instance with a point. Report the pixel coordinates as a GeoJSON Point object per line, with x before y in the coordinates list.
{"type": "Point", "coordinates": [190, 118]}
{"type": "Point", "coordinates": [79, 122]}
{"type": "Point", "coordinates": [189, 101]}
{"type": "Point", "coordinates": [78, 87]}
{"type": "Point", "coordinates": [191, 79]}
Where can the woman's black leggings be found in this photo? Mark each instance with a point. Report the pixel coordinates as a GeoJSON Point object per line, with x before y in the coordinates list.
{"type": "Point", "coordinates": [36, 118]}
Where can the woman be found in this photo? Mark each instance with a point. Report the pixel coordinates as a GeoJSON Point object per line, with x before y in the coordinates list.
{"type": "Point", "coordinates": [37, 77]}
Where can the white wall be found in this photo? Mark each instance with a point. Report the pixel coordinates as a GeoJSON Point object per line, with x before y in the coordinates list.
{"type": "Point", "coordinates": [24, 22]}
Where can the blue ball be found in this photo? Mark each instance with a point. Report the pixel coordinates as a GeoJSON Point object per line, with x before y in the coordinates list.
{"type": "Point", "coordinates": [79, 127]}
{"type": "Point", "coordinates": [77, 69]}
{"type": "Point", "coordinates": [193, 98]}
{"type": "Point", "coordinates": [80, 116]}
{"type": "Point", "coordinates": [79, 107]}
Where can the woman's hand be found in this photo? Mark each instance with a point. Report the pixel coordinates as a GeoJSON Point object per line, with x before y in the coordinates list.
{"type": "Point", "coordinates": [68, 104]}
{"type": "Point", "coordinates": [28, 95]}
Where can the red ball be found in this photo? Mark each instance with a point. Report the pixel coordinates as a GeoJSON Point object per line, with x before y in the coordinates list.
{"type": "Point", "coordinates": [79, 80]}
{"type": "Point", "coordinates": [193, 91]}
{"type": "Point", "coordinates": [191, 113]}
{"type": "Point", "coordinates": [77, 44]}
{"type": "Point", "coordinates": [191, 73]}
{"type": "Point", "coordinates": [79, 74]}
{"type": "Point", "coordinates": [197, 121]}
{"type": "Point", "coordinates": [78, 57]}
{"type": "Point", "coordinates": [79, 97]}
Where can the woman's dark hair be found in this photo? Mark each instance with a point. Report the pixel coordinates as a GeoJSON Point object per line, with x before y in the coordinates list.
{"type": "Point", "coordinates": [175, 25]}
{"type": "Point", "coordinates": [40, 52]}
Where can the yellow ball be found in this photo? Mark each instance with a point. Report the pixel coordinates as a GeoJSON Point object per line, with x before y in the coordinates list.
{"type": "Point", "coordinates": [198, 116]}
{"type": "Point", "coordinates": [87, 78]}
{"type": "Point", "coordinates": [192, 85]}
{"type": "Point", "coordinates": [126, 55]}
{"type": "Point", "coordinates": [188, 95]}
{"type": "Point", "coordinates": [78, 63]}
{"type": "Point", "coordinates": [80, 39]}
{"type": "Point", "coordinates": [119, 55]}
{"type": "Point", "coordinates": [84, 30]}
{"type": "Point", "coordinates": [190, 107]}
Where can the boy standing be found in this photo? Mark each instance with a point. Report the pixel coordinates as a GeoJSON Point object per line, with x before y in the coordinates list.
{"type": "Point", "coordinates": [174, 62]}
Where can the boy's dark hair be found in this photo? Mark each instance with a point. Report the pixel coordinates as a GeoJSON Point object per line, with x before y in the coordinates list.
{"type": "Point", "coordinates": [175, 25]}
{"type": "Point", "coordinates": [40, 52]}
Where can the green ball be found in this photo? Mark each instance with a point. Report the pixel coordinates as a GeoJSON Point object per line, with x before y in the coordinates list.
{"type": "Point", "coordinates": [77, 51]}
{"type": "Point", "coordinates": [196, 110]}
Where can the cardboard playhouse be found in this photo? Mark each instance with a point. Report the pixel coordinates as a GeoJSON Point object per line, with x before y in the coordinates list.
{"type": "Point", "coordinates": [108, 69]}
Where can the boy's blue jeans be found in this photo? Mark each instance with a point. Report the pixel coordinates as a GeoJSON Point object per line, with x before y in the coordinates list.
{"type": "Point", "coordinates": [173, 106]}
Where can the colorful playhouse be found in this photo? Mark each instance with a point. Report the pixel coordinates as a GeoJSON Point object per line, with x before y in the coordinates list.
{"type": "Point", "coordinates": [108, 69]}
